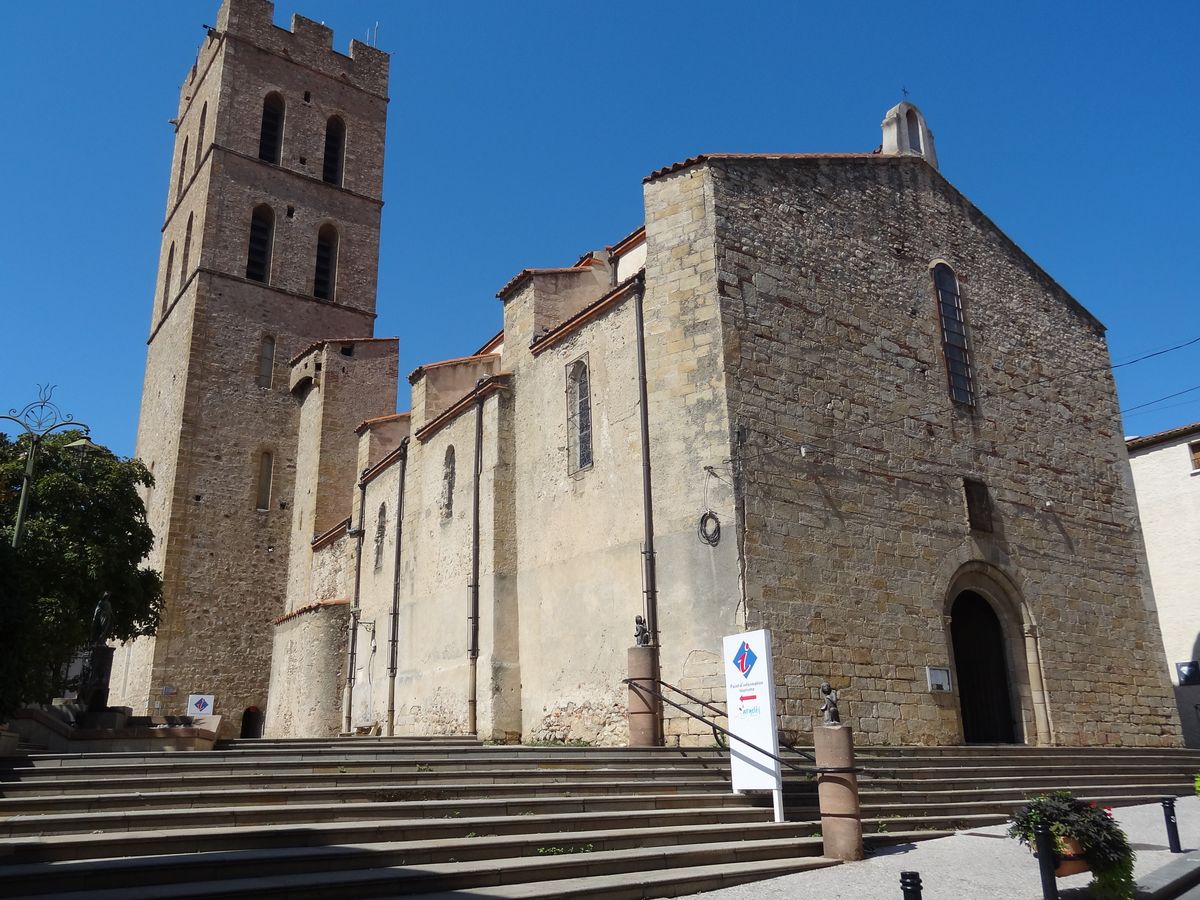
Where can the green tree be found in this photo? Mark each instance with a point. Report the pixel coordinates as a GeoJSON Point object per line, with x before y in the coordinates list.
{"type": "Point", "coordinates": [85, 534]}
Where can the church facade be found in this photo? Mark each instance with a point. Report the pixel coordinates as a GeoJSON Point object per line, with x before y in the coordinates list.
{"type": "Point", "coordinates": [817, 393]}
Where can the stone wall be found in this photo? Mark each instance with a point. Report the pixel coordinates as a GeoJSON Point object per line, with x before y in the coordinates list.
{"type": "Point", "coordinates": [857, 544]}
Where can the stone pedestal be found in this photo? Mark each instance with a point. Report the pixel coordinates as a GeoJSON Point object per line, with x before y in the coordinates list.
{"type": "Point", "coordinates": [643, 708]}
{"type": "Point", "coordinates": [837, 792]}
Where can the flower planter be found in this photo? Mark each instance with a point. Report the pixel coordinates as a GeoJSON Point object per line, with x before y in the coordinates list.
{"type": "Point", "coordinates": [1072, 859]}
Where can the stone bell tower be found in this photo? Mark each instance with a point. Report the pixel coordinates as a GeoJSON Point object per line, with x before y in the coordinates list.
{"type": "Point", "coordinates": [270, 242]}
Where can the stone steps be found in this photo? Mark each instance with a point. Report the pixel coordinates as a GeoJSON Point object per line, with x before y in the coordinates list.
{"type": "Point", "coordinates": [56, 848]}
{"type": "Point", "coordinates": [167, 869]}
{"type": "Point", "coordinates": [249, 815]}
{"type": "Point", "coordinates": [385, 816]}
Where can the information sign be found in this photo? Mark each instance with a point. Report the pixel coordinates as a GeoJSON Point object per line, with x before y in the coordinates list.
{"type": "Point", "coordinates": [750, 701]}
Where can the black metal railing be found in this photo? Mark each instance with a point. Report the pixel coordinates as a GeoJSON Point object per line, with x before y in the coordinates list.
{"type": "Point", "coordinates": [651, 686]}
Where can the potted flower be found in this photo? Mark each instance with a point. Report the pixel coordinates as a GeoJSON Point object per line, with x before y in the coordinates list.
{"type": "Point", "coordinates": [1085, 837]}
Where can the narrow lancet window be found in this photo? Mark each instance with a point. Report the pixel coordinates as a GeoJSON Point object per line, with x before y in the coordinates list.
{"type": "Point", "coordinates": [954, 336]}
{"type": "Point", "coordinates": [447, 503]}
{"type": "Point", "coordinates": [183, 159]}
{"type": "Point", "coordinates": [166, 288]}
{"type": "Point", "coordinates": [335, 150]}
{"type": "Point", "coordinates": [270, 137]}
{"type": "Point", "coordinates": [187, 252]}
{"type": "Point", "coordinates": [262, 232]}
{"type": "Point", "coordinates": [380, 535]}
{"type": "Point", "coordinates": [914, 131]}
{"type": "Point", "coordinates": [325, 277]}
{"type": "Point", "coordinates": [266, 361]}
{"type": "Point", "coordinates": [579, 415]}
{"type": "Point", "coordinates": [200, 135]}
{"type": "Point", "coordinates": [266, 463]}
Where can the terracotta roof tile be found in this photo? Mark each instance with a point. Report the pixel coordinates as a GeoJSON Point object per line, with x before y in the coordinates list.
{"type": "Point", "coordinates": [525, 274]}
{"type": "Point", "coordinates": [379, 420]}
{"type": "Point", "coordinates": [419, 371]}
{"type": "Point", "coordinates": [1137, 443]}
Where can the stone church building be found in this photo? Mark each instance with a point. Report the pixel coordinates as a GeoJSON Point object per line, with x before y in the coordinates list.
{"type": "Point", "coordinates": [868, 422]}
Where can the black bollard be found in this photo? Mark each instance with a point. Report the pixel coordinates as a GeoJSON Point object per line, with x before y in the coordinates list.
{"type": "Point", "coordinates": [1172, 825]}
{"type": "Point", "coordinates": [910, 885]}
{"type": "Point", "coordinates": [1047, 860]}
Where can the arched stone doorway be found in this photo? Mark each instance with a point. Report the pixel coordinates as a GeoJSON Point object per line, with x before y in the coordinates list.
{"type": "Point", "coordinates": [982, 666]}
{"type": "Point", "coordinates": [252, 722]}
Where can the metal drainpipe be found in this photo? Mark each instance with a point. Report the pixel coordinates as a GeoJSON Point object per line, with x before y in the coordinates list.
{"type": "Point", "coordinates": [648, 562]}
{"type": "Point", "coordinates": [352, 640]}
{"type": "Point", "coordinates": [473, 618]}
{"type": "Point", "coordinates": [394, 636]}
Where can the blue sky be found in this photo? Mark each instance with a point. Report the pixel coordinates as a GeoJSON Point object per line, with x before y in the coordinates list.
{"type": "Point", "coordinates": [519, 134]}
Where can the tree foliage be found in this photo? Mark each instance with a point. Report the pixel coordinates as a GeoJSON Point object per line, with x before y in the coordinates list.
{"type": "Point", "coordinates": [85, 535]}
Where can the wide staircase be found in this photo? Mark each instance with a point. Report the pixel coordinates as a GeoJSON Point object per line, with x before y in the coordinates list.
{"type": "Point", "coordinates": [378, 817]}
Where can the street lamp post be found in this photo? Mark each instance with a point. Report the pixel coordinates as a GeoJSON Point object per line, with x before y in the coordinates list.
{"type": "Point", "coordinates": [39, 419]}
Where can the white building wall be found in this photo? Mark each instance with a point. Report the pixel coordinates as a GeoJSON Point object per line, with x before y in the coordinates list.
{"type": "Point", "coordinates": [1168, 497]}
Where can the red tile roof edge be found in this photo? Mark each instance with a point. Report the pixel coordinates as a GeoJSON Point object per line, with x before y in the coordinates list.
{"type": "Point", "coordinates": [493, 342]}
{"type": "Point", "coordinates": [487, 386]}
{"type": "Point", "coordinates": [312, 607]}
{"type": "Point", "coordinates": [575, 322]}
{"type": "Point", "coordinates": [380, 467]}
{"type": "Point", "coordinates": [630, 240]}
{"type": "Point", "coordinates": [326, 537]}
{"type": "Point", "coordinates": [379, 420]}
{"type": "Point", "coordinates": [1137, 443]}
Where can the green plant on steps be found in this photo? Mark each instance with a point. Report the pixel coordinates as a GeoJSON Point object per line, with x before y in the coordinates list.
{"type": "Point", "coordinates": [1105, 846]}
{"type": "Point", "coordinates": [1198, 785]}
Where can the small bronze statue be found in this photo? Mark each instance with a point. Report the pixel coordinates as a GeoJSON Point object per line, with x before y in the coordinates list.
{"type": "Point", "coordinates": [830, 705]}
{"type": "Point", "coordinates": [101, 621]}
{"type": "Point", "coordinates": [641, 634]}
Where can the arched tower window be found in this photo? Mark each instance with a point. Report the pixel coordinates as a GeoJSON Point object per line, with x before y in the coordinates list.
{"type": "Point", "coordinates": [166, 288]}
{"type": "Point", "coordinates": [266, 361]}
{"type": "Point", "coordinates": [447, 503]}
{"type": "Point", "coordinates": [262, 233]}
{"type": "Point", "coordinates": [187, 252]}
{"type": "Point", "coordinates": [579, 415]}
{"type": "Point", "coordinates": [200, 135]}
{"type": "Point", "coordinates": [954, 335]}
{"type": "Point", "coordinates": [325, 277]}
{"type": "Point", "coordinates": [183, 159]}
{"type": "Point", "coordinates": [914, 131]}
{"type": "Point", "coordinates": [266, 463]}
{"type": "Point", "coordinates": [335, 150]}
{"type": "Point", "coordinates": [380, 534]}
{"type": "Point", "coordinates": [270, 137]}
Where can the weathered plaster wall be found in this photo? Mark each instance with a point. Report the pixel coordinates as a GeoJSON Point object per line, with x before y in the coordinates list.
{"type": "Point", "coordinates": [1168, 498]}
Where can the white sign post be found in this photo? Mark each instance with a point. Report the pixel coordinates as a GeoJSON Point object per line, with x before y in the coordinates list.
{"type": "Point", "coordinates": [750, 702]}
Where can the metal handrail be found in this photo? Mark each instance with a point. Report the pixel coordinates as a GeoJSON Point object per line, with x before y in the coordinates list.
{"type": "Point", "coordinates": [657, 694]}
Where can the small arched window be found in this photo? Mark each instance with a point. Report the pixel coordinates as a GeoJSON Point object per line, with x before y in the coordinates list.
{"type": "Point", "coordinates": [266, 361]}
{"type": "Point", "coordinates": [270, 137]}
{"type": "Point", "coordinates": [579, 415]}
{"type": "Point", "coordinates": [187, 252]}
{"type": "Point", "coordinates": [266, 464]}
{"type": "Point", "coordinates": [954, 335]}
{"type": "Point", "coordinates": [183, 158]}
{"type": "Point", "coordinates": [200, 135]}
{"type": "Point", "coordinates": [447, 503]}
{"type": "Point", "coordinates": [262, 233]}
{"type": "Point", "coordinates": [335, 150]}
{"type": "Point", "coordinates": [325, 276]}
{"type": "Point", "coordinates": [380, 535]}
{"type": "Point", "coordinates": [914, 131]}
{"type": "Point", "coordinates": [166, 288]}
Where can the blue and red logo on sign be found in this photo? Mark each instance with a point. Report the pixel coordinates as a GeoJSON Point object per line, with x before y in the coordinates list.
{"type": "Point", "coordinates": [201, 704]}
{"type": "Point", "coordinates": [745, 659]}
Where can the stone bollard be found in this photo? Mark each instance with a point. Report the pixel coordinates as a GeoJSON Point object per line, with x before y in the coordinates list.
{"type": "Point", "coordinates": [837, 793]}
{"type": "Point", "coordinates": [643, 708]}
